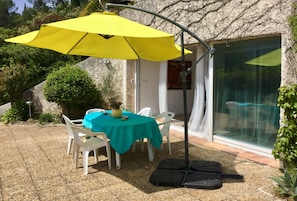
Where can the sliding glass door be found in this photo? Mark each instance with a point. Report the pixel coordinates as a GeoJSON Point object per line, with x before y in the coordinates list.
{"type": "Point", "coordinates": [246, 82]}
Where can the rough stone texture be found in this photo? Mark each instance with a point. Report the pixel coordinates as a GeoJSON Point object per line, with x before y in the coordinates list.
{"type": "Point", "coordinates": [289, 57]}
{"type": "Point", "coordinates": [40, 104]}
{"type": "Point", "coordinates": [4, 108]}
{"type": "Point", "coordinates": [123, 79]}
{"type": "Point", "coordinates": [99, 69]}
{"type": "Point", "coordinates": [226, 20]}
{"type": "Point", "coordinates": [214, 20]}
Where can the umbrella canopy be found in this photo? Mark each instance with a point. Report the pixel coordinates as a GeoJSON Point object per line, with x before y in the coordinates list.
{"type": "Point", "coordinates": [104, 35]}
{"type": "Point", "coordinates": [272, 58]}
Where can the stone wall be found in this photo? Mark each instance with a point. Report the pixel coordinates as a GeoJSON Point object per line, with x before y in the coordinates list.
{"type": "Point", "coordinates": [214, 20]}
{"type": "Point", "coordinates": [98, 69]}
{"type": "Point", "coordinates": [226, 20]}
{"type": "Point", "coordinates": [40, 104]}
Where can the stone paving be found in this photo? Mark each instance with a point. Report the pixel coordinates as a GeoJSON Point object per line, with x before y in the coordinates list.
{"type": "Point", "coordinates": [34, 166]}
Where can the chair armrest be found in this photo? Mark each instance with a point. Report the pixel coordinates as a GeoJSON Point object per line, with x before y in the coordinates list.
{"type": "Point", "coordinates": [90, 133]}
{"type": "Point", "coordinates": [163, 123]}
{"type": "Point", "coordinates": [77, 121]}
{"type": "Point", "coordinates": [87, 131]}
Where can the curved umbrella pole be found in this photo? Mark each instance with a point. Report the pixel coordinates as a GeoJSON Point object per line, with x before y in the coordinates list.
{"type": "Point", "coordinates": [179, 170]}
{"type": "Point", "coordinates": [185, 71]}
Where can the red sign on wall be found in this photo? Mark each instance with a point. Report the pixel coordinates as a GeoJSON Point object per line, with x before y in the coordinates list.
{"type": "Point", "coordinates": [174, 80]}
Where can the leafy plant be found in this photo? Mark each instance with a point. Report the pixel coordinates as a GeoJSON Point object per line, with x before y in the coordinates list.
{"type": "Point", "coordinates": [9, 116]}
{"type": "Point", "coordinates": [285, 147]}
{"type": "Point", "coordinates": [17, 112]}
{"type": "Point", "coordinates": [98, 6]}
{"type": "Point", "coordinates": [49, 117]}
{"type": "Point", "coordinates": [13, 81]}
{"type": "Point", "coordinates": [287, 184]}
{"type": "Point", "coordinates": [73, 89]}
{"type": "Point", "coordinates": [114, 104]}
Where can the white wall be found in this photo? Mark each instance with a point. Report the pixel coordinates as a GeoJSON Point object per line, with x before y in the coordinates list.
{"type": "Point", "coordinates": [149, 82]}
{"type": "Point", "coordinates": [176, 103]}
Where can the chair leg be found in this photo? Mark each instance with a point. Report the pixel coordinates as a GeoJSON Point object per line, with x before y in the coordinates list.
{"type": "Point", "coordinates": [74, 150]}
{"type": "Point", "coordinates": [169, 146]}
{"type": "Point", "coordinates": [69, 145]}
{"type": "Point", "coordinates": [142, 145]}
{"type": "Point", "coordinates": [108, 155]}
{"type": "Point", "coordinates": [134, 146]}
{"type": "Point", "coordinates": [96, 153]}
{"type": "Point", "coordinates": [76, 155]}
{"type": "Point", "coordinates": [85, 161]}
{"type": "Point", "coordinates": [161, 147]}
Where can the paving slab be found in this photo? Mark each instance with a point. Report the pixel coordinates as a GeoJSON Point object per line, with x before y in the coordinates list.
{"type": "Point", "coordinates": [34, 165]}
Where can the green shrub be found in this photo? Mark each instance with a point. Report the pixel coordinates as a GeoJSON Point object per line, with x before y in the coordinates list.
{"type": "Point", "coordinates": [13, 82]}
{"type": "Point", "coordinates": [73, 89]}
{"type": "Point", "coordinates": [48, 117]}
{"type": "Point", "coordinates": [287, 184]}
{"type": "Point", "coordinates": [285, 147]}
{"type": "Point", "coordinates": [9, 116]}
{"type": "Point", "coordinates": [17, 112]}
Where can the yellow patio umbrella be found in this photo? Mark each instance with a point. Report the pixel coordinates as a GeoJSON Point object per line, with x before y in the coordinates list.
{"type": "Point", "coordinates": [104, 35]}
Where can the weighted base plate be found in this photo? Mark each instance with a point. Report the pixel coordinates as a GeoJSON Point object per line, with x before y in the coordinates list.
{"type": "Point", "coordinates": [199, 174]}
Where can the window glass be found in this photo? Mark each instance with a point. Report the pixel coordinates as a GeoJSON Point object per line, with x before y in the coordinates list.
{"type": "Point", "coordinates": [246, 82]}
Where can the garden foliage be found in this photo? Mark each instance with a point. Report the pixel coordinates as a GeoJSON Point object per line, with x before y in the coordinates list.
{"type": "Point", "coordinates": [72, 89]}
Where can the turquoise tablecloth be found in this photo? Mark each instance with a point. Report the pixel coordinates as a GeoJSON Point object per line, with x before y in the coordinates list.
{"type": "Point", "coordinates": [123, 133]}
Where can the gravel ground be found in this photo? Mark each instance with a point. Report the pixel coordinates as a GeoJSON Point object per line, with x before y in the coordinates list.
{"type": "Point", "coordinates": [34, 166]}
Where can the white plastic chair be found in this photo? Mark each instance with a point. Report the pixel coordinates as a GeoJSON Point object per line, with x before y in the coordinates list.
{"type": "Point", "coordinates": [146, 111]}
{"type": "Point", "coordinates": [70, 133]}
{"type": "Point", "coordinates": [164, 121]}
{"type": "Point", "coordinates": [94, 110]}
{"type": "Point", "coordinates": [95, 141]}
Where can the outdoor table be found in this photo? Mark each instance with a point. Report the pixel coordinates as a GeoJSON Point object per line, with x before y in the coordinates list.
{"type": "Point", "coordinates": [123, 132]}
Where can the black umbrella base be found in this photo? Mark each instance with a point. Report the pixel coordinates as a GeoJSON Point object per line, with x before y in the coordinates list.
{"type": "Point", "coordinates": [199, 174]}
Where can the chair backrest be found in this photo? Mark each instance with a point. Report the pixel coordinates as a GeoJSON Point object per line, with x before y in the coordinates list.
{"type": "Point", "coordinates": [233, 109]}
{"type": "Point", "coordinates": [164, 120]}
{"type": "Point", "coordinates": [147, 111]}
{"type": "Point", "coordinates": [76, 131]}
{"type": "Point", "coordinates": [94, 110]}
{"type": "Point", "coordinates": [68, 125]}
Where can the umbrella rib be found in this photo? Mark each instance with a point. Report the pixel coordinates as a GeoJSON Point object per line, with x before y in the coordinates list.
{"type": "Point", "coordinates": [77, 42]}
{"type": "Point", "coordinates": [131, 47]}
